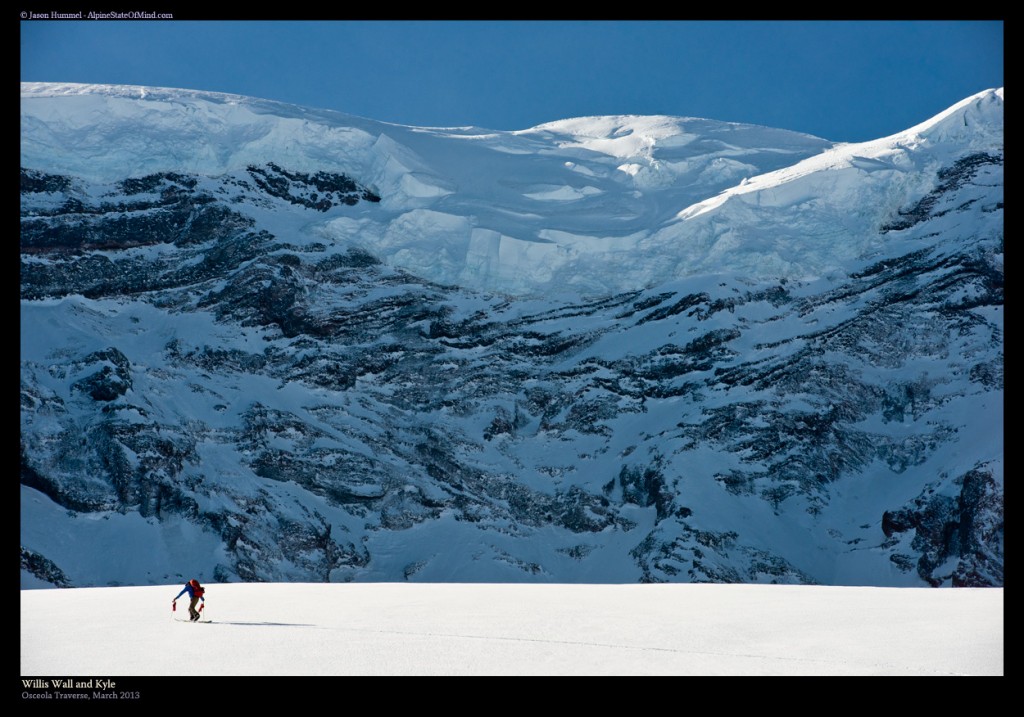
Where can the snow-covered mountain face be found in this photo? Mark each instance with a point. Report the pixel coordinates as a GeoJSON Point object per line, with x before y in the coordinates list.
{"type": "Point", "coordinates": [265, 342]}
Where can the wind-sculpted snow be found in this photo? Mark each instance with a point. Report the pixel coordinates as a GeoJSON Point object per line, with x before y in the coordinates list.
{"type": "Point", "coordinates": [228, 366]}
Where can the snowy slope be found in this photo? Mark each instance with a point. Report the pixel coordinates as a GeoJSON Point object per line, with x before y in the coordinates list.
{"type": "Point", "coordinates": [458, 629]}
{"type": "Point", "coordinates": [818, 215]}
{"type": "Point", "coordinates": [600, 204]}
{"type": "Point", "coordinates": [730, 354]}
{"type": "Point", "coordinates": [560, 204]}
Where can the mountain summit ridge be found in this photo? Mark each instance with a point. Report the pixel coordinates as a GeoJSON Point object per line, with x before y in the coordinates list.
{"type": "Point", "coordinates": [560, 207]}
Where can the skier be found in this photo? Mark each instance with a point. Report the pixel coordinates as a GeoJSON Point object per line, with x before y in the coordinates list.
{"type": "Point", "coordinates": [195, 592]}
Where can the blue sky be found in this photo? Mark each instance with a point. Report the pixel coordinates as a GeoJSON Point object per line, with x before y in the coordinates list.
{"type": "Point", "coordinates": [841, 80]}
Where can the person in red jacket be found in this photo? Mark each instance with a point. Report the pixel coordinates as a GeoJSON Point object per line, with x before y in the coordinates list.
{"type": "Point", "coordinates": [195, 592]}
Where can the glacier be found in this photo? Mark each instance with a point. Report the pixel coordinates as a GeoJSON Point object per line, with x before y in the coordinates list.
{"type": "Point", "coordinates": [268, 342]}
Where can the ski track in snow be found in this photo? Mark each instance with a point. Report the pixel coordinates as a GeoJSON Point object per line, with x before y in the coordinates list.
{"type": "Point", "coordinates": [878, 666]}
